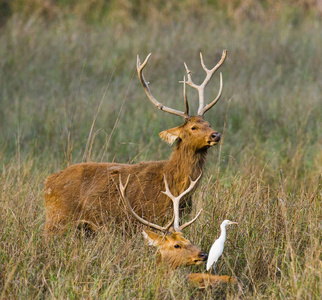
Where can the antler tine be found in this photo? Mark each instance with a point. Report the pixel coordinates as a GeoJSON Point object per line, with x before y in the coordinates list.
{"type": "Point", "coordinates": [202, 110]}
{"type": "Point", "coordinates": [201, 88]}
{"type": "Point", "coordinates": [190, 82]}
{"type": "Point", "coordinates": [190, 222]}
{"type": "Point", "coordinates": [186, 104]}
{"type": "Point", "coordinates": [145, 222]}
{"type": "Point", "coordinates": [211, 104]}
{"type": "Point", "coordinates": [176, 202]}
{"type": "Point", "coordinates": [146, 88]}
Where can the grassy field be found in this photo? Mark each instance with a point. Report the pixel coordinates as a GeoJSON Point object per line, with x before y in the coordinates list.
{"type": "Point", "coordinates": [69, 93]}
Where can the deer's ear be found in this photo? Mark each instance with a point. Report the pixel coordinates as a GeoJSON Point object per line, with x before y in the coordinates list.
{"type": "Point", "coordinates": [171, 135]}
{"type": "Point", "coordinates": [152, 238]}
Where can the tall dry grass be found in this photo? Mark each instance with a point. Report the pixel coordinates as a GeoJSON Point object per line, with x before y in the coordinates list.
{"type": "Point", "coordinates": [57, 76]}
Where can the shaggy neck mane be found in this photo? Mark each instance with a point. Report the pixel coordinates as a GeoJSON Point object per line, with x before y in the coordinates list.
{"type": "Point", "coordinates": [184, 163]}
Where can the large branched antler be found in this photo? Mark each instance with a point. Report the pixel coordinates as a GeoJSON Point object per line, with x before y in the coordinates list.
{"type": "Point", "coordinates": [145, 222]}
{"type": "Point", "coordinates": [201, 88]}
{"type": "Point", "coordinates": [176, 201]}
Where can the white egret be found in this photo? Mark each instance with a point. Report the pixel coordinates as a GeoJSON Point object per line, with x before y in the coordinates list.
{"type": "Point", "coordinates": [218, 246]}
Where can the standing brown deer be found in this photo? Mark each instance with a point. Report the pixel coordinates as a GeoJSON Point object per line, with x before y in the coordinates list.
{"type": "Point", "coordinates": [174, 249]}
{"type": "Point", "coordinates": [88, 192]}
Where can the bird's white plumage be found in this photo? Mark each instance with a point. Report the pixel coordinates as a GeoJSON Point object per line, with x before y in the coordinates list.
{"type": "Point", "coordinates": [218, 246]}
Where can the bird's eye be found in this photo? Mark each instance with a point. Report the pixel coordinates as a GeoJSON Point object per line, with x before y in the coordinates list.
{"type": "Point", "coordinates": [177, 246]}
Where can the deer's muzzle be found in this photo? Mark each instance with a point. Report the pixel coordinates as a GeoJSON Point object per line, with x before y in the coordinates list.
{"type": "Point", "coordinates": [202, 256]}
{"type": "Point", "coordinates": [214, 138]}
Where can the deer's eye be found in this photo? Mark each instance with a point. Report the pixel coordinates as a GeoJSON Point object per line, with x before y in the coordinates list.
{"type": "Point", "coordinates": [194, 128]}
{"type": "Point", "coordinates": [177, 246]}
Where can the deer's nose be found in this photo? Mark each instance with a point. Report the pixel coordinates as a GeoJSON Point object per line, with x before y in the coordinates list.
{"type": "Point", "coordinates": [216, 136]}
{"type": "Point", "coordinates": [203, 255]}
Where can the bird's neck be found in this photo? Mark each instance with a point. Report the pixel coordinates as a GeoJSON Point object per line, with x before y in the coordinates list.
{"type": "Point", "coordinates": [223, 233]}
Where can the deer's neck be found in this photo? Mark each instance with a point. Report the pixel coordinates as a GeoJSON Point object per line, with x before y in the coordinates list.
{"type": "Point", "coordinates": [184, 163]}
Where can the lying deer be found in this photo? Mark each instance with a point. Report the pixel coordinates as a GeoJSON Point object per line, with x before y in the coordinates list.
{"type": "Point", "coordinates": [174, 249]}
{"type": "Point", "coordinates": [88, 192]}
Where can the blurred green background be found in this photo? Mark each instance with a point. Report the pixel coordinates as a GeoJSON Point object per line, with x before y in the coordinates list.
{"type": "Point", "coordinates": [60, 59]}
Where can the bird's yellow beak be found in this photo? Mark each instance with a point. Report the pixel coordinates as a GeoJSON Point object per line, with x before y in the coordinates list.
{"type": "Point", "coordinates": [233, 223]}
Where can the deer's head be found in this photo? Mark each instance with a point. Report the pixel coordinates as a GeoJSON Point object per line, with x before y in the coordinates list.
{"type": "Point", "coordinates": [196, 133]}
{"type": "Point", "coordinates": [174, 249]}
